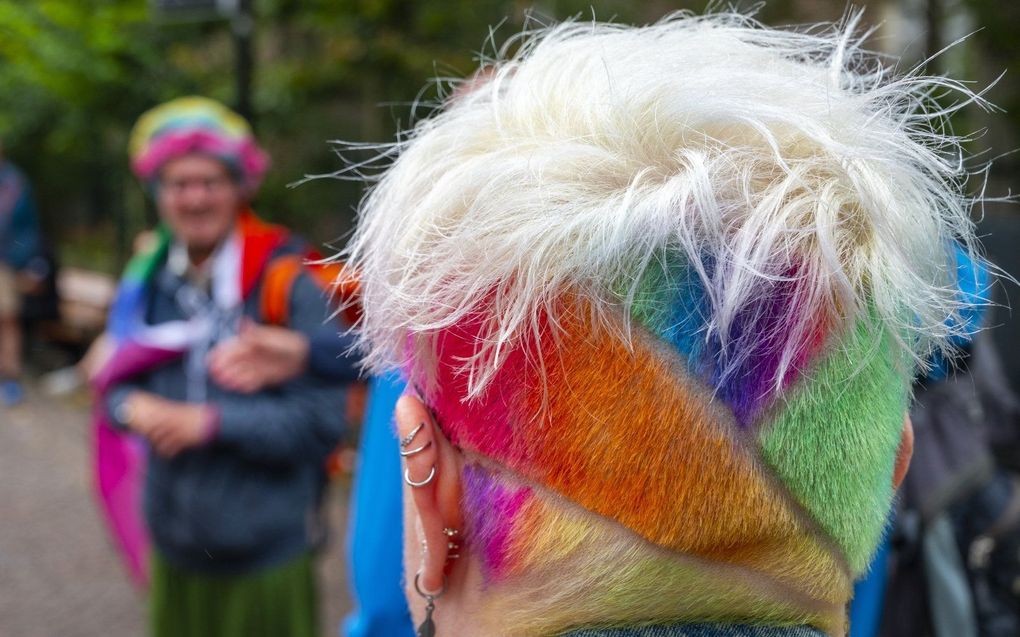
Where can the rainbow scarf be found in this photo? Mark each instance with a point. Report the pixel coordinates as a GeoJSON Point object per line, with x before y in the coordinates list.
{"type": "Point", "coordinates": [119, 458]}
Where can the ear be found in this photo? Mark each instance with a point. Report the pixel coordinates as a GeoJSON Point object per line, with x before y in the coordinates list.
{"type": "Point", "coordinates": [904, 453]}
{"type": "Point", "coordinates": [436, 500]}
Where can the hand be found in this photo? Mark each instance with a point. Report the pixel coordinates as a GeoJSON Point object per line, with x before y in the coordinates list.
{"type": "Point", "coordinates": [170, 426]}
{"type": "Point", "coordinates": [97, 356]}
{"type": "Point", "coordinates": [259, 356]}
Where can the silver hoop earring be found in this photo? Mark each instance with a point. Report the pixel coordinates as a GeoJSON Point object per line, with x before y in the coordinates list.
{"type": "Point", "coordinates": [416, 485]}
{"type": "Point", "coordinates": [416, 450]}
{"type": "Point", "coordinates": [406, 440]}
{"type": "Point", "coordinates": [427, 628]}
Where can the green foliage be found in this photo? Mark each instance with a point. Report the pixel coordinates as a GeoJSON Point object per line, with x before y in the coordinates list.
{"type": "Point", "coordinates": [75, 74]}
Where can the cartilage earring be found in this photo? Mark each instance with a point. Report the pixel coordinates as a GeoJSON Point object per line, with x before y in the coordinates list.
{"type": "Point", "coordinates": [406, 440]}
{"type": "Point", "coordinates": [410, 452]}
{"type": "Point", "coordinates": [412, 483]}
{"type": "Point", "coordinates": [427, 628]}
{"type": "Point", "coordinates": [451, 546]}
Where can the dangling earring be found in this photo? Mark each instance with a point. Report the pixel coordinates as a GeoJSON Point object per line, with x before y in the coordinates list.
{"type": "Point", "coordinates": [428, 627]}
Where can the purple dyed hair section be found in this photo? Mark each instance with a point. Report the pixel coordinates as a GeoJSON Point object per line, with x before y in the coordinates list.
{"type": "Point", "coordinates": [758, 339]}
{"type": "Point", "coordinates": [746, 369]}
{"type": "Point", "coordinates": [491, 509]}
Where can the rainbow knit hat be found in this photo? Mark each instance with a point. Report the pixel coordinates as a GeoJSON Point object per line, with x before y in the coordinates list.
{"type": "Point", "coordinates": [666, 287]}
{"type": "Point", "coordinates": [196, 125]}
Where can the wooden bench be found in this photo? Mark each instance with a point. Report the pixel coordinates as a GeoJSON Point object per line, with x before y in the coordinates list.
{"type": "Point", "coordinates": [85, 299]}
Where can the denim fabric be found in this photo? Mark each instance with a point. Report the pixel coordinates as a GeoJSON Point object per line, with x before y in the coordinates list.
{"type": "Point", "coordinates": [699, 630]}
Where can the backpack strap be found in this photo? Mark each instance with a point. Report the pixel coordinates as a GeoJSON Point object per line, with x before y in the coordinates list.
{"type": "Point", "coordinates": [283, 271]}
{"type": "Point", "coordinates": [277, 283]}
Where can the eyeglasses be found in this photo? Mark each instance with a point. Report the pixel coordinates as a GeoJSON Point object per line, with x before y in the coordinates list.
{"type": "Point", "coordinates": [211, 185]}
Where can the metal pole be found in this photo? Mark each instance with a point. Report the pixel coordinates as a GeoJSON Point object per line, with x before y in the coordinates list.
{"type": "Point", "coordinates": [243, 26]}
{"type": "Point", "coordinates": [933, 37]}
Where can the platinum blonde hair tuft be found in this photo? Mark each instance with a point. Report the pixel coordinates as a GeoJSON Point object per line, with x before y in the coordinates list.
{"type": "Point", "coordinates": [595, 150]}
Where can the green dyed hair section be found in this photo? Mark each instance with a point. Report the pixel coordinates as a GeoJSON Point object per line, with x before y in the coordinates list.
{"type": "Point", "coordinates": [833, 440]}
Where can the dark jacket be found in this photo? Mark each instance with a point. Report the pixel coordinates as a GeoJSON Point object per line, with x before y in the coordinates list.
{"type": "Point", "coordinates": [19, 223]}
{"type": "Point", "coordinates": [331, 354]}
{"type": "Point", "coordinates": [248, 499]}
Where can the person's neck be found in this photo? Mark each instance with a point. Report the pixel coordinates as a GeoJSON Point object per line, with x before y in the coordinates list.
{"type": "Point", "coordinates": [197, 256]}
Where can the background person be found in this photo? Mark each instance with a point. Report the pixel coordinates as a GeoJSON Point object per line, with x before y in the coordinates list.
{"type": "Point", "coordinates": [264, 356]}
{"type": "Point", "coordinates": [233, 481]}
{"type": "Point", "coordinates": [955, 548]}
{"type": "Point", "coordinates": [19, 244]}
{"type": "Point", "coordinates": [663, 291]}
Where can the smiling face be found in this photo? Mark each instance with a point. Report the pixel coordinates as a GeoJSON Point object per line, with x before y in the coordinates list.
{"type": "Point", "coordinates": [200, 200]}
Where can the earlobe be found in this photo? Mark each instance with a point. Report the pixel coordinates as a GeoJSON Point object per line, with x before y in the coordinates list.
{"type": "Point", "coordinates": [904, 453]}
{"type": "Point", "coordinates": [432, 473]}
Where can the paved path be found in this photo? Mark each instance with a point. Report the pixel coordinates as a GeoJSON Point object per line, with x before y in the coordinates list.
{"type": "Point", "coordinates": [59, 576]}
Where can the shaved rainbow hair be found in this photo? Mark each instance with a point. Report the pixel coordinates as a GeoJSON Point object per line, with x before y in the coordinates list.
{"type": "Point", "coordinates": [666, 288]}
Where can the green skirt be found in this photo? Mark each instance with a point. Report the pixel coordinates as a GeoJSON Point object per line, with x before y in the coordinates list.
{"type": "Point", "coordinates": [277, 602]}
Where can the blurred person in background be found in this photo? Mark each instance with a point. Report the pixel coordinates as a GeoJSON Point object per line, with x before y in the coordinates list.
{"type": "Point", "coordinates": [661, 293]}
{"type": "Point", "coordinates": [954, 554]}
{"type": "Point", "coordinates": [264, 356]}
{"type": "Point", "coordinates": [232, 480]}
{"type": "Point", "coordinates": [19, 245]}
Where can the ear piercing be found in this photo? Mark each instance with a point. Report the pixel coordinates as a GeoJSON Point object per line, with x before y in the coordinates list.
{"type": "Point", "coordinates": [406, 453]}
{"type": "Point", "coordinates": [410, 452]}
{"type": "Point", "coordinates": [417, 485]}
{"type": "Point", "coordinates": [406, 440]}
{"type": "Point", "coordinates": [451, 546]}
{"type": "Point", "coordinates": [428, 627]}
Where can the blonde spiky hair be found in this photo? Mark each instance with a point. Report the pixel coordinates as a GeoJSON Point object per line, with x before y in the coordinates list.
{"type": "Point", "coordinates": [595, 148]}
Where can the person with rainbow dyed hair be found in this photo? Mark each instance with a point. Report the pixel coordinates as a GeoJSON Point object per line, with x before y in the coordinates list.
{"type": "Point", "coordinates": [230, 476]}
{"type": "Point", "coordinates": [660, 293]}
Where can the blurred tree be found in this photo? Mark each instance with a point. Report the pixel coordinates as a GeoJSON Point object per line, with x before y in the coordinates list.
{"type": "Point", "coordinates": [998, 50]}
{"type": "Point", "coordinates": [75, 74]}
{"type": "Point", "coordinates": [73, 77]}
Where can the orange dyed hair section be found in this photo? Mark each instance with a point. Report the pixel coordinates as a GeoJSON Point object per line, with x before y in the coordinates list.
{"type": "Point", "coordinates": [630, 435]}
